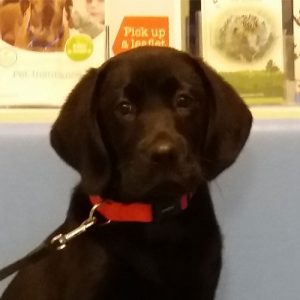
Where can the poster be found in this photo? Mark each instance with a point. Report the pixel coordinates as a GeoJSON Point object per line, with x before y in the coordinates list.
{"type": "Point", "coordinates": [243, 41]}
{"type": "Point", "coordinates": [135, 23]}
{"type": "Point", "coordinates": [46, 47]}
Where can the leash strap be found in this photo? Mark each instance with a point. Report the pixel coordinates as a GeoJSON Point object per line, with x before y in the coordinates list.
{"type": "Point", "coordinates": [37, 254]}
{"type": "Point", "coordinates": [58, 242]}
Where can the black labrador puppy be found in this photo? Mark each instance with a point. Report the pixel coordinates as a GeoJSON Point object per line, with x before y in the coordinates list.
{"type": "Point", "coordinates": [146, 131]}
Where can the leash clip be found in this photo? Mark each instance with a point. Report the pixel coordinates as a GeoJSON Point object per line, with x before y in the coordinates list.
{"type": "Point", "coordinates": [62, 239]}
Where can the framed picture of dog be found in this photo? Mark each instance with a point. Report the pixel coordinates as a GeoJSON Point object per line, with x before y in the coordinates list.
{"type": "Point", "coordinates": [46, 47]}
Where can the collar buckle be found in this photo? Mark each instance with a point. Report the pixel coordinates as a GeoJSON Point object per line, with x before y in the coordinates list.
{"type": "Point", "coordinates": [170, 208]}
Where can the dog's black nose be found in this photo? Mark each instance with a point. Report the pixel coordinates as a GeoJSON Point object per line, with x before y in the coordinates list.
{"type": "Point", "coordinates": [163, 152]}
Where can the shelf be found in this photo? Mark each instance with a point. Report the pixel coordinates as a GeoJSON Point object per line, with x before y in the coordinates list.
{"type": "Point", "coordinates": [10, 115]}
{"type": "Point", "coordinates": [49, 115]}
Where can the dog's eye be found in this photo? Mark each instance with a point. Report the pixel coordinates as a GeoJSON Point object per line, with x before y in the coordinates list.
{"type": "Point", "coordinates": [183, 101]}
{"type": "Point", "coordinates": [125, 108]}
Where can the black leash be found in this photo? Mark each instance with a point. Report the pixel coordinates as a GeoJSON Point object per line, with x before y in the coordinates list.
{"type": "Point", "coordinates": [37, 254]}
{"type": "Point", "coordinates": [57, 243]}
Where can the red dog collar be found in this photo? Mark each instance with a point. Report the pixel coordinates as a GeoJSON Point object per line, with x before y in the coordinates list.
{"type": "Point", "coordinates": [137, 212]}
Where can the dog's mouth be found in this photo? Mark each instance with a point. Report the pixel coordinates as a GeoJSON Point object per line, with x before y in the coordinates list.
{"type": "Point", "coordinates": [44, 37]}
{"type": "Point", "coordinates": [163, 191]}
{"type": "Point", "coordinates": [151, 187]}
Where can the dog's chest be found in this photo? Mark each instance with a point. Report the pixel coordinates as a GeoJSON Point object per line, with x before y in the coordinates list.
{"type": "Point", "coordinates": [152, 278]}
{"type": "Point", "coordinates": [154, 268]}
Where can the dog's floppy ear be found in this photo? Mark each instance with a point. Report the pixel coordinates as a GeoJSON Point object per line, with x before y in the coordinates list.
{"type": "Point", "coordinates": [229, 123]}
{"type": "Point", "coordinates": [68, 8]}
{"type": "Point", "coordinates": [76, 136]}
{"type": "Point", "coordinates": [24, 4]}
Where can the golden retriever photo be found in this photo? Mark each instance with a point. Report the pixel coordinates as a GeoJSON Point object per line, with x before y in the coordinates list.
{"type": "Point", "coordinates": [46, 25]}
{"type": "Point", "coordinates": [39, 25]}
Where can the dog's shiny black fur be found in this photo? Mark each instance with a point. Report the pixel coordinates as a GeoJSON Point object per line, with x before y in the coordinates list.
{"type": "Point", "coordinates": [148, 126]}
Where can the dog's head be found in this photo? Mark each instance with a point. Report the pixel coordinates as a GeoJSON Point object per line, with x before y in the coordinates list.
{"type": "Point", "coordinates": [46, 17]}
{"type": "Point", "coordinates": [149, 122]}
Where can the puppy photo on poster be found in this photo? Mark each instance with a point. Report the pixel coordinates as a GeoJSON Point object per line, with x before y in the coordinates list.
{"type": "Point", "coordinates": [48, 45]}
